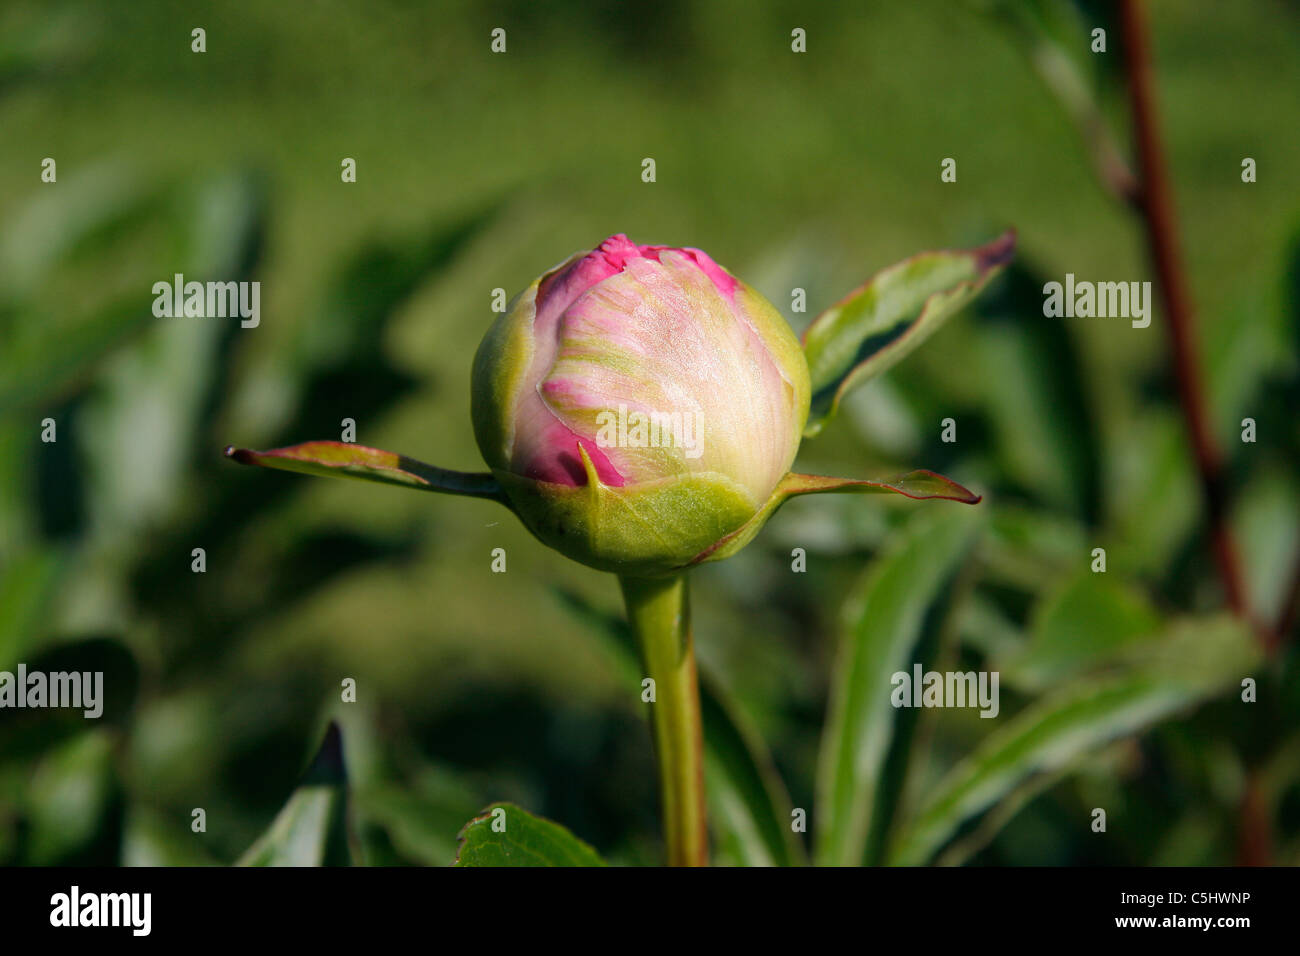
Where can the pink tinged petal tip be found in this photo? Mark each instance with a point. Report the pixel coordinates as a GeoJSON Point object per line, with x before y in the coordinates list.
{"type": "Point", "coordinates": [719, 276]}
{"type": "Point", "coordinates": [572, 280]}
{"type": "Point", "coordinates": [558, 290]}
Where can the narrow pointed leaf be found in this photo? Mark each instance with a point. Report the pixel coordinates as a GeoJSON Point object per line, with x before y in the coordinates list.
{"type": "Point", "coordinates": [1053, 36]}
{"type": "Point", "coordinates": [311, 829]}
{"type": "Point", "coordinates": [506, 835]}
{"type": "Point", "coordinates": [346, 460]}
{"type": "Point", "coordinates": [883, 626]}
{"type": "Point", "coordinates": [1197, 660]}
{"type": "Point", "coordinates": [1078, 626]}
{"type": "Point", "coordinates": [919, 485]}
{"type": "Point", "coordinates": [751, 808]}
{"type": "Point", "coordinates": [878, 324]}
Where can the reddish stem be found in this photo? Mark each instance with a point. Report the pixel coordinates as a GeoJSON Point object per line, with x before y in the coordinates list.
{"type": "Point", "coordinates": [1290, 613]}
{"type": "Point", "coordinates": [1155, 202]}
{"type": "Point", "coordinates": [1255, 839]}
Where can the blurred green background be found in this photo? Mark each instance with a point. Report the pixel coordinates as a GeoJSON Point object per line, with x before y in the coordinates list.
{"type": "Point", "coordinates": [477, 171]}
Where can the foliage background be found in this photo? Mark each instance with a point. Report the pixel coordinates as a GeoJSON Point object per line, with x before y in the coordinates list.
{"type": "Point", "coordinates": [478, 171]}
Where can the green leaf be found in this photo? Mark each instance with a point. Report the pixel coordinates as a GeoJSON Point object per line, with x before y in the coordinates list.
{"type": "Point", "coordinates": [1196, 660]}
{"type": "Point", "coordinates": [1079, 626]}
{"type": "Point", "coordinates": [749, 806]}
{"type": "Point", "coordinates": [1054, 36]}
{"type": "Point", "coordinates": [1153, 499]}
{"type": "Point", "coordinates": [419, 817]}
{"type": "Point", "coordinates": [74, 800]}
{"type": "Point", "coordinates": [883, 625]}
{"type": "Point", "coordinates": [48, 359]}
{"type": "Point", "coordinates": [506, 835]}
{"type": "Point", "coordinates": [1027, 547]}
{"type": "Point", "coordinates": [1266, 517]}
{"type": "Point", "coordinates": [919, 484]}
{"type": "Point", "coordinates": [27, 589]}
{"type": "Point", "coordinates": [155, 837]}
{"type": "Point", "coordinates": [311, 829]}
{"type": "Point", "coordinates": [878, 324]}
{"type": "Point", "coordinates": [95, 209]}
{"type": "Point", "coordinates": [1105, 761]}
{"type": "Point", "coordinates": [346, 460]}
{"type": "Point", "coordinates": [1032, 387]}
{"type": "Point", "coordinates": [219, 221]}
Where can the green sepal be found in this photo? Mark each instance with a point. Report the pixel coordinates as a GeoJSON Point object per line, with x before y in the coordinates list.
{"type": "Point", "coordinates": [346, 460]}
{"type": "Point", "coordinates": [919, 485]}
{"type": "Point", "coordinates": [646, 530]}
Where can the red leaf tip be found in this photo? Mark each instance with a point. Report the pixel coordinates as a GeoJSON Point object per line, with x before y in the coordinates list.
{"type": "Point", "coordinates": [996, 253]}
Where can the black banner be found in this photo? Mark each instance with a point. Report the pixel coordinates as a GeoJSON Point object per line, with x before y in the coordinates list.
{"type": "Point", "coordinates": [215, 905]}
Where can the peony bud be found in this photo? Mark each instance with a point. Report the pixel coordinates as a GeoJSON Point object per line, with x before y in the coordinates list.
{"type": "Point", "coordinates": [640, 407]}
{"type": "Point", "coordinates": [638, 404]}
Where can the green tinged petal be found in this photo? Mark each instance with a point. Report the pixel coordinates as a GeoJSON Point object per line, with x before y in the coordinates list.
{"type": "Point", "coordinates": [500, 365]}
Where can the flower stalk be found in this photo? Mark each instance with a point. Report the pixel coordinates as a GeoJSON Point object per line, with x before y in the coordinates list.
{"type": "Point", "coordinates": [659, 612]}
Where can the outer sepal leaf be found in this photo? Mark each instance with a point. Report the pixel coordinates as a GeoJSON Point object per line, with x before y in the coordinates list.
{"type": "Point", "coordinates": [876, 325]}
{"type": "Point", "coordinates": [506, 835]}
{"type": "Point", "coordinates": [919, 484]}
{"type": "Point", "coordinates": [346, 460]}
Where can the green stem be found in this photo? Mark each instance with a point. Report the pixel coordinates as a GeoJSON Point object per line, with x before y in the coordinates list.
{"type": "Point", "coordinates": [660, 617]}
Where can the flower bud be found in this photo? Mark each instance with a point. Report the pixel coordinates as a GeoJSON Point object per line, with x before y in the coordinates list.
{"type": "Point", "coordinates": [638, 404]}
